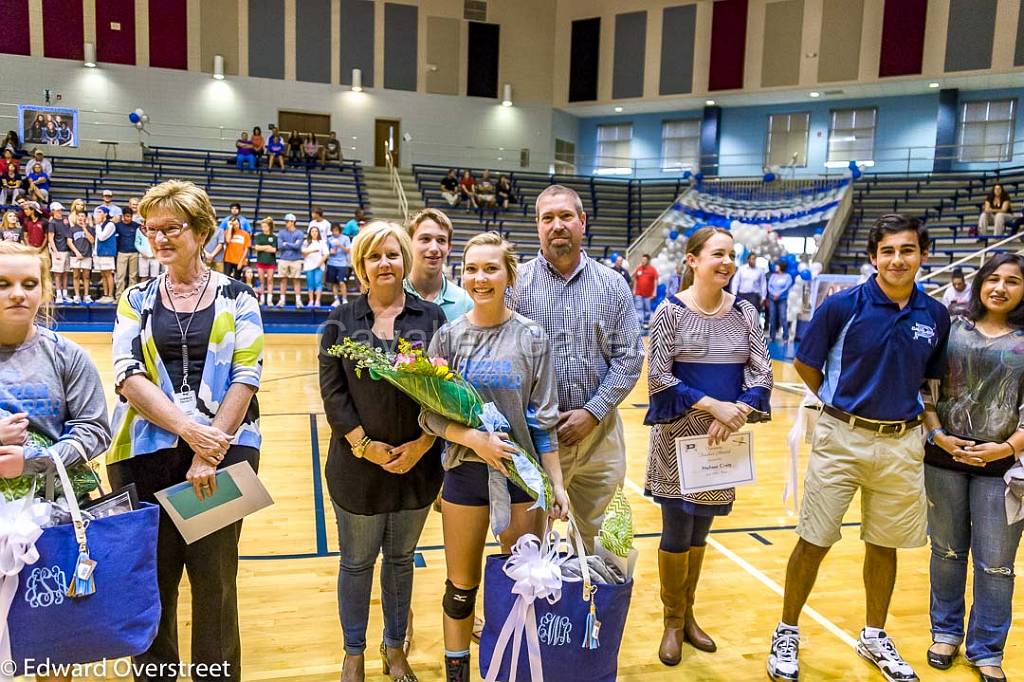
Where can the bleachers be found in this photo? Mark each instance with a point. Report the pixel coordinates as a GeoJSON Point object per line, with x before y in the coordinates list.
{"type": "Point", "coordinates": [948, 202]}
{"type": "Point", "coordinates": [612, 208]}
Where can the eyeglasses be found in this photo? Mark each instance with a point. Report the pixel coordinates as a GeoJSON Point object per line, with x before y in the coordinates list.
{"type": "Point", "coordinates": [169, 232]}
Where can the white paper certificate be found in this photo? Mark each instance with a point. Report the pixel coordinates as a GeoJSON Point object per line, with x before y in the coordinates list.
{"type": "Point", "coordinates": [726, 465]}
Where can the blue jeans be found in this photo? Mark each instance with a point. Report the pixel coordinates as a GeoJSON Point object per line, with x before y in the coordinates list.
{"type": "Point", "coordinates": [643, 308]}
{"type": "Point", "coordinates": [245, 160]}
{"type": "Point", "coordinates": [967, 512]}
{"type": "Point", "coordinates": [361, 540]}
{"type": "Point", "coordinates": [778, 316]}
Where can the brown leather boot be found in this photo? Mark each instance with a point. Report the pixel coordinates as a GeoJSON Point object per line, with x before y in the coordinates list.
{"type": "Point", "coordinates": [691, 631]}
{"type": "Point", "coordinates": [672, 569]}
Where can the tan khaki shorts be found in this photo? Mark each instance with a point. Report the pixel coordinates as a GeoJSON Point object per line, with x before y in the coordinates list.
{"type": "Point", "coordinates": [888, 471]}
{"type": "Point", "coordinates": [60, 262]}
{"type": "Point", "coordinates": [291, 269]}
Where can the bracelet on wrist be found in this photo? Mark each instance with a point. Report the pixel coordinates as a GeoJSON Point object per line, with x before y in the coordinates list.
{"type": "Point", "coordinates": [935, 432]}
{"type": "Point", "coordinates": [1013, 450]}
{"type": "Point", "coordinates": [359, 449]}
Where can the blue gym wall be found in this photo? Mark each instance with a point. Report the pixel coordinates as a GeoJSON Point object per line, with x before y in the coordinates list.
{"type": "Point", "coordinates": [903, 122]}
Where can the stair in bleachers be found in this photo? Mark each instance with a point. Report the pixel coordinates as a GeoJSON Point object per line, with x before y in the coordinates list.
{"type": "Point", "coordinates": [948, 202]}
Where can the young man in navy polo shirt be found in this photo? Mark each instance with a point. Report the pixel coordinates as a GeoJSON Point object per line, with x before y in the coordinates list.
{"type": "Point", "coordinates": [867, 353]}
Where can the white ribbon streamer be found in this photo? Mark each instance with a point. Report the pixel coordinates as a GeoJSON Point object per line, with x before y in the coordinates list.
{"type": "Point", "coordinates": [536, 571]}
{"type": "Point", "coordinates": [21, 524]}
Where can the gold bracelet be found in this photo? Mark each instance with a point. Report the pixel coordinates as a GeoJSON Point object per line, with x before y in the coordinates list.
{"type": "Point", "coordinates": [359, 449]}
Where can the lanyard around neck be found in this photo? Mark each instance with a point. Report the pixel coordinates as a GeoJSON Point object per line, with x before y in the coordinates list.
{"type": "Point", "coordinates": [184, 330]}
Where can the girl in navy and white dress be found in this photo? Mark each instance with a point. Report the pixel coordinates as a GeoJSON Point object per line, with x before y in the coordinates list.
{"type": "Point", "coordinates": [709, 373]}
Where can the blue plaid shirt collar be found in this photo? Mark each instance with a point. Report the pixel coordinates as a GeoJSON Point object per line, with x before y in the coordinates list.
{"type": "Point", "coordinates": [584, 260]}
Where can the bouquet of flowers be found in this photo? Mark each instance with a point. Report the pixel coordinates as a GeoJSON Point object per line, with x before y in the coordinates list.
{"type": "Point", "coordinates": [437, 387]}
{"type": "Point", "coordinates": [83, 479]}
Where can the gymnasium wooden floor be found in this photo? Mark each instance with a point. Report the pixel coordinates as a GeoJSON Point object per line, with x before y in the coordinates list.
{"type": "Point", "coordinates": [288, 604]}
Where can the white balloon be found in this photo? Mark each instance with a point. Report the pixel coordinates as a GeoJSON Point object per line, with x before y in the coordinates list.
{"type": "Point", "coordinates": [145, 118]}
{"type": "Point", "coordinates": [139, 112]}
{"type": "Point", "coordinates": [139, 125]}
{"type": "Point", "coordinates": [816, 269]}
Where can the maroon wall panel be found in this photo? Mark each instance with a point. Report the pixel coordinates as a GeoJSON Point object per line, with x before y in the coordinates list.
{"type": "Point", "coordinates": [115, 47]}
{"type": "Point", "coordinates": [63, 29]}
{"type": "Point", "coordinates": [14, 37]}
{"type": "Point", "coordinates": [728, 44]}
{"type": "Point", "coordinates": [168, 34]}
{"type": "Point", "coordinates": [902, 37]}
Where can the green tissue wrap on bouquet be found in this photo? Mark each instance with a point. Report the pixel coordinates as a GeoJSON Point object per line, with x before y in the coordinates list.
{"type": "Point", "coordinates": [617, 528]}
{"type": "Point", "coordinates": [83, 478]}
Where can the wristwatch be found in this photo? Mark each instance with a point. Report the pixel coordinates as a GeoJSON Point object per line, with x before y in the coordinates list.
{"type": "Point", "coordinates": [359, 449]}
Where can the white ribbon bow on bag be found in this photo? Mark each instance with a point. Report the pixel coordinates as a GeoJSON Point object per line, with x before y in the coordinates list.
{"type": "Point", "coordinates": [21, 524]}
{"type": "Point", "coordinates": [536, 570]}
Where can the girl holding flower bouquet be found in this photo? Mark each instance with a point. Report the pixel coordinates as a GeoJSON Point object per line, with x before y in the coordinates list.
{"type": "Point", "coordinates": [383, 471]}
{"type": "Point", "coordinates": [507, 358]}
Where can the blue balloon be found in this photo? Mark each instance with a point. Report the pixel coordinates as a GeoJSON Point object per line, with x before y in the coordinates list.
{"type": "Point", "coordinates": [615, 257]}
{"type": "Point", "coordinates": [805, 275]}
{"type": "Point", "coordinates": [819, 230]}
{"type": "Point", "coordinates": [133, 117]}
{"type": "Point", "coordinates": [769, 177]}
{"type": "Point", "coordinates": [857, 174]}
{"type": "Point", "coordinates": [690, 230]}
{"type": "Point", "coordinates": [673, 235]}
{"type": "Point", "coordinates": [852, 165]}
{"type": "Point", "coordinates": [686, 174]}
{"type": "Point", "coordinates": [699, 177]}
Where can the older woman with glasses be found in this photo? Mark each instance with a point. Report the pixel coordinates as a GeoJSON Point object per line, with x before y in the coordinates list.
{"type": "Point", "coordinates": [383, 471]}
{"type": "Point", "coordinates": [187, 388]}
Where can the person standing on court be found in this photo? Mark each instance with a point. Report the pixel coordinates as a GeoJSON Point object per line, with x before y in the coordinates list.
{"type": "Point", "coordinates": [383, 472]}
{"type": "Point", "coordinates": [587, 311]}
{"type": "Point", "coordinates": [866, 354]}
{"type": "Point", "coordinates": [645, 286]}
{"type": "Point", "coordinates": [709, 373]}
{"type": "Point", "coordinates": [975, 434]}
{"type": "Point", "coordinates": [431, 233]}
{"type": "Point", "coordinates": [750, 284]}
{"type": "Point", "coordinates": [188, 354]}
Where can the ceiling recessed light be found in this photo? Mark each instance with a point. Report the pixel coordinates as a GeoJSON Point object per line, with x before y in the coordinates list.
{"type": "Point", "coordinates": [709, 102]}
{"type": "Point", "coordinates": [618, 109]}
{"type": "Point", "coordinates": [933, 84]}
{"type": "Point", "coordinates": [815, 94]}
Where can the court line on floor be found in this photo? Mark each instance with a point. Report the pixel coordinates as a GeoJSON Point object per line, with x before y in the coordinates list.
{"type": "Point", "coordinates": [318, 492]}
{"type": "Point", "coordinates": [761, 577]}
{"type": "Point", "coordinates": [289, 376]}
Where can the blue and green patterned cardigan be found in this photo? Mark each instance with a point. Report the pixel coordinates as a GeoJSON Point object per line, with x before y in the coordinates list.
{"type": "Point", "coordinates": [235, 355]}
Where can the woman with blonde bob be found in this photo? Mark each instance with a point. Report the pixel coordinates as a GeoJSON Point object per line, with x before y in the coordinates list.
{"type": "Point", "coordinates": [476, 488]}
{"type": "Point", "coordinates": [187, 389]}
{"type": "Point", "coordinates": [710, 373]}
{"type": "Point", "coordinates": [383, 472]}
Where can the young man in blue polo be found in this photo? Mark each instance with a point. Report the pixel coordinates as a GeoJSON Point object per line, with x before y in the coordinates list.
{"type": "Point", "coordinates": [867, 354]}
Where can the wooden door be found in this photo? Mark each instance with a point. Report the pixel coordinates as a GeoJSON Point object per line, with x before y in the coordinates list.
{"type": "Point", "coordinates": [386, 133]}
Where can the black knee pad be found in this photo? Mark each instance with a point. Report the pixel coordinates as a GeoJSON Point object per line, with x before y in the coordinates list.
{"type": "Point", "coordinates": [458, 603]}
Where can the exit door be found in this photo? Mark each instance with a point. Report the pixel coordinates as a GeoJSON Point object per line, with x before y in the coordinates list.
{"type": "Point", "coordinates": [386, 135]}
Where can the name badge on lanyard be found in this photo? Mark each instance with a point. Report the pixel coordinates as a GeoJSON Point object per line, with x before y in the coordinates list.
{"type": "Point", "coordinates": [185, 399]}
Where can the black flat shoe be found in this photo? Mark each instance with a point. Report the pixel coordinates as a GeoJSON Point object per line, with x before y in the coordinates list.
{"type": "Point", "coordinates": [989, 678]}
{"type": "Point", "coordinates": [942, 661]}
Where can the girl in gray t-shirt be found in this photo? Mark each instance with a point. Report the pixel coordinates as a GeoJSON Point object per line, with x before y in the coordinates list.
{"type": "Point", "coordinates": [507, 358]}
{"type": "Point", "coordinates": [48, 385]}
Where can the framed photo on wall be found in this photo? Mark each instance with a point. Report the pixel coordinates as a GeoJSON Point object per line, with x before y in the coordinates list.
{"type": "Point", "coordinates": [824, 286]}
{"type": "Point", "coordinates": [56, 126]}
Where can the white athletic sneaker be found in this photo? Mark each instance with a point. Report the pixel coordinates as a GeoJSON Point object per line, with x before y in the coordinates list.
{"type": "Point", "coordinates": [782, 661]}
{"type": "Point", "coordinates": [87, 299]}
{"type": "Point", "coordinates": [882, 652]}
{"type": "Point", "coordinates": [76, 299]}
{"type": "Point", "coordinates": [280, 302]}
{"type": "Point", "coordinates": [106, 299]}
{"type": "Point", "coordinates": [59, 299]}
{"type": "Point", "coordinates": [298, 303]}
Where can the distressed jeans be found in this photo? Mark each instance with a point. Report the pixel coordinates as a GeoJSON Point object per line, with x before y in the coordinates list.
{"type": "Point", "coordinates": [966, 513]}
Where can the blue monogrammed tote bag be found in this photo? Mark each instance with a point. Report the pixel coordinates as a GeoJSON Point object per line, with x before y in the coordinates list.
{"type": "Point", "coordinates": [119, 619]}
{"type": "Point", "coordinates": [561, 628]}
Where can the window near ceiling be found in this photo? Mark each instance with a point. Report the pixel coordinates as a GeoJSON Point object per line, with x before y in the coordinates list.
{"type": "Point", "coordinates": [614, 149]}
{"type": "Point", "coordinates": [680, 145]}
{"type": "Point", "coordinates": [787, 139]}
{"type": "Point", "coordinates": [986, 130]}
{"type": "Point", "coordinates": [565, 157]}
{"type": "Point", "coordinates": [851, 137]}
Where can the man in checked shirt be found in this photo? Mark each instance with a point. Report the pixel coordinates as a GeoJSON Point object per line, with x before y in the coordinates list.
{"type": "Point", "coordinates": [587, 311]}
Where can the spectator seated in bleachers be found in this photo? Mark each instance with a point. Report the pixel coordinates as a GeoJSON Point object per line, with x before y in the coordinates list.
{"type": "Point", "coordinates": [108, 203]}
{"type": "Point", "coordinates": [485, 195]}
{"type": "Point", "coordinates": [995, 211]}
{"type": "Point", "coordinates": [310, 150]}
{"type": "Point", "coordinates": [504, 192]}
{"type": "Point", "coordinates": [353, 226]}
{"type": "Point", "coordinates": [258, 145]}
{"type": "Point", "coordinates": [12, 142]}
{"type": "Point", "coordinates": [275, 151]}
{"type": "Point", "coordinates": [40, 158]}
{"type": "Point", "coordinates": [467, 188]}
{"type": "Point", "coordinates": [958, 295]}
{"type": "Point", "coordinates": [244, 156]}
{"type": "Point", "coordinates": [330, 151]}
{"type": "Point", "coordinates": [294, 149]}
{"type": "Point", "coordinates": [450, 188]}
{"type": "Point", "coordinates": [38, 184]}
{"type": "Point", "coordinates": [9, 159]}
{"type": "Point", "coordinates": [10, 185]}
